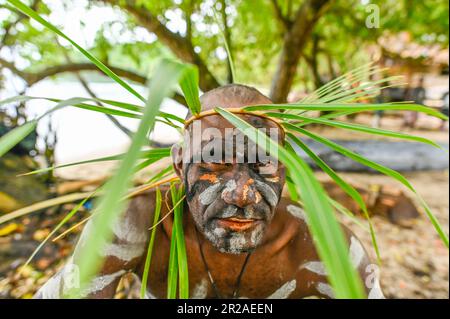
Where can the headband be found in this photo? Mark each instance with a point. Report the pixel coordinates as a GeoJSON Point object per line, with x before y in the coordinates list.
{"type": "Point", "coordinates": [234, 111]}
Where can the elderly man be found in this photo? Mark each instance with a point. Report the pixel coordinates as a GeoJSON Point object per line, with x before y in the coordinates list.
{"type": "Point", "coordinates": [243, 240]}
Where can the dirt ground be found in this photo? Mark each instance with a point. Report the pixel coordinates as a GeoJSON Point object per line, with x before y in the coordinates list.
{"type": "Point", "coordinates": [414, 261]}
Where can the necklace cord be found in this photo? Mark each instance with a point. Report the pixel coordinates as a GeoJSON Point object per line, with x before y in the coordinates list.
{"type": "Point", "coordinates": [211, 279]}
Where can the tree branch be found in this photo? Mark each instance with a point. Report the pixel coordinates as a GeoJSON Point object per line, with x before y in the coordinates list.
{"type": "Point", "coordinates": [227, 35]}
{"type": "Point", "coordinates": [285, 22]}
{"type": "Point", "coordinates": [33, 77]}
{"type": "Point", "coordinates": [294, 42]}
{"type": "Point", "coordinates": [179, 45]}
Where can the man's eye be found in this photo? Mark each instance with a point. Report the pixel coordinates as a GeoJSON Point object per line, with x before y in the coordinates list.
{"type": "Point", "coordinates": [216, 166]}
{"type": "Point", "coordinates": [265, 167]}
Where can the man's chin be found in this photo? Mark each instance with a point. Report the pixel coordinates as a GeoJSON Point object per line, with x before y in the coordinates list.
{"type": "Point", "coordinates": [235, 242]}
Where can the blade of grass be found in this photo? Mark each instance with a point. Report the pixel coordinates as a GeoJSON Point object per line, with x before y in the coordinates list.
{"type": "Point", "coordinates": [385, 170]}
{"type": "Point", "coordinates": [189, 86]}
{"type": "Point", "coordinates": [148, 259]}
{"type": "Point", "coordinates": [111, 204]}
{"type": "Point", "coordinates": [349, 107]}
{"type": "Point", "coordinates": [329, 238]}
{"type": "Point", "coordinates": [354, 127]}
{"type": "Point", "coordinates": [13, 137]}
{"type": "Point", "coordinates": [350, 190]}
{"type": "Point", "coordinates": [151, 154]}
{"type": "Point", "coordinates": [60, 224]}
{"type": "Point", "coordinates": [35, 16]}
{"type": "Point", "coordinates": [180, 245]}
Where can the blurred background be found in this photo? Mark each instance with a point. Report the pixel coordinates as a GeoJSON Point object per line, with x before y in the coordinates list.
{"type": "Point", "coordinates": [286, 49]}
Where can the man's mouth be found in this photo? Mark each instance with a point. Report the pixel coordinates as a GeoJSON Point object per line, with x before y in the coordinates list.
{"type": "Point", "coordinates": [237, 224]}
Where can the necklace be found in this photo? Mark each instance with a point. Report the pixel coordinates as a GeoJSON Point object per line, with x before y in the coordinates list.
{"type": "Point", "coordinates": [211, 279]}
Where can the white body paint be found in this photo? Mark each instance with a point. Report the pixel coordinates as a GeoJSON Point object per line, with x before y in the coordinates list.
{"type": "Point", "coordinates": [284, 291]}
{"type": "Point", "coordinates": [101, 282]}
{"type": "Point", "coordinates": [297, 212]}
{"type": "Point", "coordinates": [125, 230]}
{"type": "Point", "coordinates": [200, 290]}
{"type": "Point", "coordinates": [315, 267]}
{"type": "Point", "coordinates": [66, 279]}
{"type": "Point", "coordinates": [123, 252]}
{"type": "Point", "coordinates": [325, 289]}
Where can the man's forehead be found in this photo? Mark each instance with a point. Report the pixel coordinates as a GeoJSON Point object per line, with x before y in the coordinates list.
{"type": "Point", "coordinates": [216, 121]}
{"type": "Point", "coordinates": [234, 96]}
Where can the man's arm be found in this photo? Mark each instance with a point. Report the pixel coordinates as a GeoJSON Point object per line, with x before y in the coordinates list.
{"type": "Point", "coordinates": [368, 271]}
{"type": "Point", "coordinates": [122, 255]}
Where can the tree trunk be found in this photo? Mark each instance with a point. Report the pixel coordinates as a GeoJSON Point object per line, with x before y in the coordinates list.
{"type": "Point", "coordinates": [295, 40]}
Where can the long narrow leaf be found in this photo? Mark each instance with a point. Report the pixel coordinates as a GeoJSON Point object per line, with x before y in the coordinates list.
{"type": "Point", "coordinates": [148, 259]}
{"type": "Point", "coordinates": [329, 238]}
{"type": "Point", "coordinates": [111, 204]}
{"type": "Point", "coordinates": [385, 170]}
{"type": "Point", "coordinates": [354, 127]}
{"type": "Point", "coordinates": [34, 15]}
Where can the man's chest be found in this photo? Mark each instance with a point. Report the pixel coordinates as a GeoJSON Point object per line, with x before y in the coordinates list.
{"type": "Point", "coordinates": [259, 275]}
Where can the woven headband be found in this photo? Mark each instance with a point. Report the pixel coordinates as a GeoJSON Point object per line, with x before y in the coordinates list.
{"type": "Point", "coordinates": [234, 111]}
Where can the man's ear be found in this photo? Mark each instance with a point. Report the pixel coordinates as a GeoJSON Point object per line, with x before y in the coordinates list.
{"type": "Point", "coordinates": [177, 159]}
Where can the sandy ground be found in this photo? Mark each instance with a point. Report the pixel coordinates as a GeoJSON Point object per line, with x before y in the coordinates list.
{"type": "Point", "coordinates": [414, 261]}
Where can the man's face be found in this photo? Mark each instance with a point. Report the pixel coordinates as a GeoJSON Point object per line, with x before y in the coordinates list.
{"type": "Point", "coordinates": [232, 186]}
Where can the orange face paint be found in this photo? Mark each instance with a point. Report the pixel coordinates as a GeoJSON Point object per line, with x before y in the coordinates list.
{"type": "Point", "coordinates": [209, 177]}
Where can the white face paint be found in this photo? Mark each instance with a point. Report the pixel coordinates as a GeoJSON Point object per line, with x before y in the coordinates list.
{"type": "Point", "coordinates": [356, 252]}
{"type": "Point", "coordinates": [284, 291]}
{"type": "Point", "coordinates": [269, 194]}
{"type": "Point", "coordinates": [210, 194]}
{"type": "Point", "coordinates": [315, 267]}
{"type": "Point", "coordinates": [237, 243]}
{"type": "Point", "coordinates": [201, 290]}
{"type": "Point", "coordinates": [297, 212]}
{"type": "Point", "coordinates": [257, 235]}
{"type": "Point", "coordinates": [325, 289]}
{"type": "Point", "coordinates": [229, 186]}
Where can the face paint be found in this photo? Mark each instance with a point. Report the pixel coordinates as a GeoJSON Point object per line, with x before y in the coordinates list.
{"type": "Point", "coordinates": [232, 201]}
{"type": "Point", "coordinates": [268, 193]}
{"type": "Point", "coordinates": [284, 291]}
{"type": "Point", "coordinates": [229, 187]}
{"type": "Point", "coordinates": [210, 194]}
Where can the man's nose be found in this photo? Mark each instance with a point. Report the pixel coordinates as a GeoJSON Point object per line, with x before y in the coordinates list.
{"type": "Point", "coordinates": [240, 191]}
